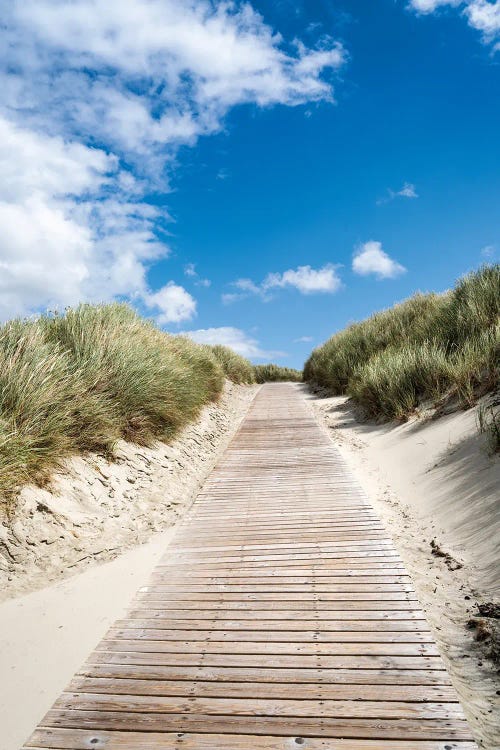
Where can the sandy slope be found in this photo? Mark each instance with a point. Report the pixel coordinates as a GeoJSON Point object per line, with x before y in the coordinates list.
{"type": "Point", "coordinates": [432, 480]}
{"type": "Point", "coordinates": [97, 509]}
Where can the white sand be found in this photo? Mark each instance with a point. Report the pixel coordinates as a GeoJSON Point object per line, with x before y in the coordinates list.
{"type": "Point", "coordinates": [434, 480]}
{"type": "Point", "coordinates": [48, 634]}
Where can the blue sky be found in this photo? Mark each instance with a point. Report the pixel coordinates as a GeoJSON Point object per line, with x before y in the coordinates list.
{"type": "Point", "coordinates": [258, 175]}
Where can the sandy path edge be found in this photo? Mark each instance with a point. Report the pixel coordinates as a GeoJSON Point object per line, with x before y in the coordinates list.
{"type": "Point", "coordinates": [447, 596]}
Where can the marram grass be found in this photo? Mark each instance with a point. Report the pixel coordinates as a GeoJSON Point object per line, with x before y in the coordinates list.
{"type": "Point", "coordinates": [236, 368]}
{"type": "Point", "coordinates": [425, 348]}
{"type": "Point", "coordinates": [275, 374]}
{"type": "Point", "coordinates": [79, 381]}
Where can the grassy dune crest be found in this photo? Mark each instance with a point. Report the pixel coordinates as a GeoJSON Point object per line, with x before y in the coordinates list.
{"type": "Point", "coordinates": [426, 347]}
{"type": "Point", "coordinates": [236, 368]}
{"type": "Point", "coordinates": [276, 374]}
{"type": "Point", "coordinates": [79, 381]}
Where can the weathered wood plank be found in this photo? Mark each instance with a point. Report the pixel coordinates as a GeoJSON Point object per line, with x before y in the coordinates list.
{"type": "Point", "coordinates": [318, 727]}
{"type": "Point", "coordinates": [81, 739]}
{"type": "Point", "coordinates": [274, 647]}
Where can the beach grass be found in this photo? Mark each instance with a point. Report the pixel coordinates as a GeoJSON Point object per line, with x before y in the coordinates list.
{"type": "Point", "coordinates": [427, 347]}
{"type": "Point", "coordinates": [79, 381]}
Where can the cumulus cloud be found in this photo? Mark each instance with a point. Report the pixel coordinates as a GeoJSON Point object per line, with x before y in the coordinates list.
{"type": "Point", "coordinates": [236, 339]}
{"type": "Point", "coordinates": [304, 279]}
{"type": "Point", "coordinates": [64, 237]}
{"type": "Point", "coordinates": [482, 15]}
{"type": "Point", "coordinates": [370, 259]}
{"type": "Point", "coordinates": [89, 87]}
{"type": "Point", "coordinates": [173, 302]}
{"type": "Point", "coordinates": [195, 60]}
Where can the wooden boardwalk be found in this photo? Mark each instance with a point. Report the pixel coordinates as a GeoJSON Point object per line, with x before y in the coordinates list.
{"type": "Point", "coordinates": [281, 617]}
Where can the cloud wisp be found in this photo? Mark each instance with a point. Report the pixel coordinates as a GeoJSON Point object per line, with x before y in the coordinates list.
{"type": "Point", "coordinates": [304, 279]}
{"type": "Point", "coordinates": [97, 99]}
{"type": "Point", "coordinates": [371, 260]}
{"type": "Point", "coordinates": [192, 273]}
{"type": "Point", "coordinates": [407, 191]}
{"type": "Point", "coordinates": [236, 339]}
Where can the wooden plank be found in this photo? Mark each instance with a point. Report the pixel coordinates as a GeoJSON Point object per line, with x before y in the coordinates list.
{"type": "Point", "coordinates": [281, 616]}
{"type": "Point", "coordinates": [318, 727]}
{"type": "Point", "coordinates": [273, 661]}
{"type": "Point", "coordinates": [346, 625]}
{"type": "Point", "coordinates": [268, 647]}
{"type": "Point", "coordinates": [259, 706]}
{"type": "Point", "coordinates": [81, 739]}
{"type": "Point", "coordinates": [371, 594]}
{"type": "Point", "coordinates": [269, 690]}
{"type": "Point", "coordinates": [373, 677]}
{"type": "Point", "coordinates": [295, 636]}
{"type": "Point", "coordinates": [156, 604]}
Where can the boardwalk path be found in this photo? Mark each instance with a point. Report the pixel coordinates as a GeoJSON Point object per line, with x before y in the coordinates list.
{"type": "Point", "coordinates": [280, 617]}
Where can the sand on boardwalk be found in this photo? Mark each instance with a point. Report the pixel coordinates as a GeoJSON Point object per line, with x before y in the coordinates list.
{"type": "Point", "coordinates": [437, 490]}
{"type": "Point", "coordinates": [95, 509]}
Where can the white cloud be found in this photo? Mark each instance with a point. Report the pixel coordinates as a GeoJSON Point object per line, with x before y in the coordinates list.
{"type": "Point", "coordinates": [407, 191]}
{"type": "Point", "coordinates": [190, 270]}
{"type": "Point", "coordinates": [140, 79]}
{"type": "Point", "coordinates": [236, 339]}
{"type": "Point", "coordinates": [167, 72]}
{"type": "Point", "coordinates": [64, 239]}
{"type": "Point", "coordinates": [304, 279]}
{"type": "Point", "coordinates": [371, 259]}
{"type": "Point", "coordinates": [174, 303]}
{"type": "Point", "coordinates": [247, 285]}
{"type": "Point", "coordinates": [429, 6]}
{"type": "Point", "coordinates": [303, 340]}
{"type": "Point", "coordinates": [482, 15]}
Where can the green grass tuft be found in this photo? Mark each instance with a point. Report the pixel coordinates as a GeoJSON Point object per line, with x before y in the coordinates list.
{"type": "Point", "coordinates": [275, 373]}
{"type": "Point", "coordinates": [424, 348]}
{"type": "Point", "coordinates": [80, 381]}
{"type": "Point", "coordinates": [236, 368]}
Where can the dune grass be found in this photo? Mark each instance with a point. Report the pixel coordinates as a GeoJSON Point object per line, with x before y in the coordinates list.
{"type": "Point", "coordinates": [79, 381]}
{"type": "Point", "coordinates": [424, 348]}
{"type": "Point", "coordinates": [236, 368]}
{"type": "Point", "coordinates": [488, 417]}
{"type": "Point", "coordinates": [275, 373]}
